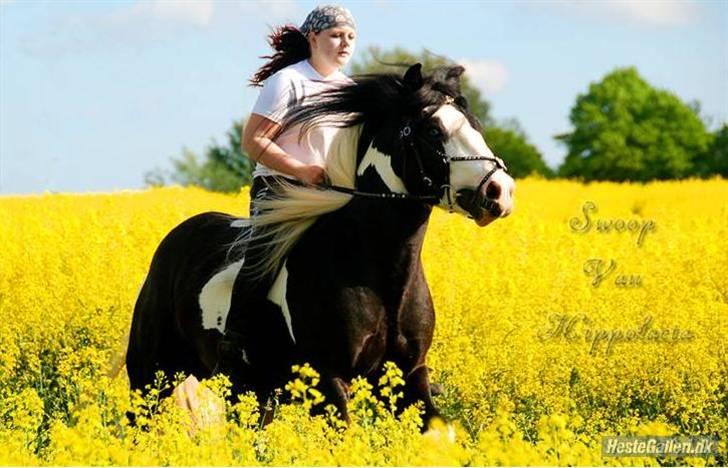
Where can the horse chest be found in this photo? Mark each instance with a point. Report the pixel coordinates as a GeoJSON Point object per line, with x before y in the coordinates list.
{"type": "Point", "coordinates": [397, 331]}
{"type": "Point", "coordinates": [346, 307]}
{"type": "Point", "coordinates": [369, 351]}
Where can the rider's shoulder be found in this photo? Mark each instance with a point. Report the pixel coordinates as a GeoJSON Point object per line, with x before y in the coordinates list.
{"type": "Point", "coordinates": [295, 71]}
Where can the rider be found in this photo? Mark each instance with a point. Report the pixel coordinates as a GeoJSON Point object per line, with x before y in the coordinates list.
{"type": "Point", "coordinates": [307, 60]}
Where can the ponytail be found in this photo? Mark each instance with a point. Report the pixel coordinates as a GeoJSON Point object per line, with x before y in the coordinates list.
{"type": "Point", "coordinates": [291, 46]}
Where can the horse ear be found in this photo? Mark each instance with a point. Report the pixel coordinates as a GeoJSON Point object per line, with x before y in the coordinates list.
{"type": "Point", "coordinates": [452, 77]}
{"type": "Point", "coordinates": [455, 72]}
{"type": "Point", "coordinates": [413, 77]}
{"type": "Point", "coordinates": [461, 101]}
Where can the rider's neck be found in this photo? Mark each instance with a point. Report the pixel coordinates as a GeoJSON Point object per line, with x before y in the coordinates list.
{"type": "Point", "coordinates": [322, 67]}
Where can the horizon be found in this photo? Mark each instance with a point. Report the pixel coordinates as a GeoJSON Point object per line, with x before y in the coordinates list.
{"type": "Point", "coordinates": [93, 95]}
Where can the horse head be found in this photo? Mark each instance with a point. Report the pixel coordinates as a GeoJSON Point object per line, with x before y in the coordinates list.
{"type": "Point", "coordinates": [414, 138]}
{"type": "Point", "coordinates": [427, 144]}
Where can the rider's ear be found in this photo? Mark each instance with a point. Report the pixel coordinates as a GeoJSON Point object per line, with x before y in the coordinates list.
{"type": "Point", "coordinates": [413, 77]}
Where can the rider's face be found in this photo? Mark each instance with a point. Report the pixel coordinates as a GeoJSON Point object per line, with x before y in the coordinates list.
{"type": "Point", "coordinates": [334, 45]}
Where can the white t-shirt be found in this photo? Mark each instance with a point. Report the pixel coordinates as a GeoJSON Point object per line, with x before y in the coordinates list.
{"type": "Point", "coordinates": [289, 87]}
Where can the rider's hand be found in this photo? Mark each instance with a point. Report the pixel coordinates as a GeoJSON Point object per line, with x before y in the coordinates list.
{"type": "Point", "coordinates": [313, 175]}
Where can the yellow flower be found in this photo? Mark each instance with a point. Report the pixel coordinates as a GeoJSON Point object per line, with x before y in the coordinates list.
{"type": "Point", "coordinates": [519, 390]}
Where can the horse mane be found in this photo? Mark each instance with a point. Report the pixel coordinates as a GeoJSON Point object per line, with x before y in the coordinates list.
{"type": "Point", "coordinates": [349, 107]}
{"type": "Point", "coordinates": [294, 208]}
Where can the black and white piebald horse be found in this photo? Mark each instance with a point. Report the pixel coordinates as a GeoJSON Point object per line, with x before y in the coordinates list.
{"type": "Point", "coordinates": [349, 290]}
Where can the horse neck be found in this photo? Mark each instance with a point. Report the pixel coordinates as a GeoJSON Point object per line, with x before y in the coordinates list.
{"type": "Point", "coordinates": [394, 229]}
{"type": "Point", "coordinates": [397, 227]}
{"type": "Point", "coordinates": [388, 236]}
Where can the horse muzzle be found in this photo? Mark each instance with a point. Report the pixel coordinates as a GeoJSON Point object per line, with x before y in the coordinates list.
{"type": "Point", "coordinates": [494, 200]}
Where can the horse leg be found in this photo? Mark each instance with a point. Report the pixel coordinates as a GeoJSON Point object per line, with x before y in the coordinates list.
{"type": "Point", "coordinates": [335, 392]}
{"type": "Point", "coordinates": [248, 302]}
{"type": "Point", "coordinates": [417, 388]}
{"type": "Point", "coordinates": [155, 341]}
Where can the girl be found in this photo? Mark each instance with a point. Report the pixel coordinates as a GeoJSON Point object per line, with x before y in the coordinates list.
{"type": "Point", "coordinates": [307, 60]}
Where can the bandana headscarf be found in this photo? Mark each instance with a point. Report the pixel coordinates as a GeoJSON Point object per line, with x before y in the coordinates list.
{"type": "Point", "coordinates": [325, 17]}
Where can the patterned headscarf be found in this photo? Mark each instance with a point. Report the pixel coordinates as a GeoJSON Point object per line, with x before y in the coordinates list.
{"type": "Point", "coordinates": [325, 17]}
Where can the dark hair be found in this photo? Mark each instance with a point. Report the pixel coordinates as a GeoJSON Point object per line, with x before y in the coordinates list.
{"type": "Point", "coordinates": [291, 46]}
{"type": "Point", "coordinates": [376, 98]}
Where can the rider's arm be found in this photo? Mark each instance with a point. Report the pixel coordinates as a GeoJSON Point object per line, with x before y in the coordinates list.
{"type": "Point", "coordinates": [264, 127]}
{"type": "Point", "coordinates": [258, 143]}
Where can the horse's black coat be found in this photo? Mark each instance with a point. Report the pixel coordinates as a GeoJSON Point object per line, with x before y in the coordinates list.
{"type": "Point", "coordinates": [356, 287]}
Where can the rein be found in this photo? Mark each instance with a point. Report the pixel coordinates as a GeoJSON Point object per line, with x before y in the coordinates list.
{"type": "Point", "coordinates": [381, 195]}
{"type": "Point", "coordinates": [405, 136]}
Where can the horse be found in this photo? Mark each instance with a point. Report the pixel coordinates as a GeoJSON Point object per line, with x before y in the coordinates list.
{"type": "Point", "coordinates": [349, 290]}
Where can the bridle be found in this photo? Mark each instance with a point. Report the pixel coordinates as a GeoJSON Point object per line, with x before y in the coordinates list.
{"type": "Point", "coordinates": [405, 135]}
{"type": "Point", "coordinates": [498, 164]}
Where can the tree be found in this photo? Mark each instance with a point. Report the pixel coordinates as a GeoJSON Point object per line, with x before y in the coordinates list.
{"type": "Point", "coordinates": [715, 160]}
{"type": "Point", "coordinates": [223, 168]}
{"type": "Point", "coordinates": [624, 129]}
{"type": "Point", "coordinates": [510, 143]}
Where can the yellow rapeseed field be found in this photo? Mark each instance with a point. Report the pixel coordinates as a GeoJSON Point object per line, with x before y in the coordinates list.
{"type": "Point", "coordinates": [593, 310]}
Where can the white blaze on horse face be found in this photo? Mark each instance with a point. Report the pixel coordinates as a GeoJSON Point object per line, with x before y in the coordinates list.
{"type": "Point", "coordinates": [383, 165]}
{"type": "Point", "coordinates": [464, 140]}
{"type": "Point", "coordinates": [216, 296]}
{"type": "Point", "coordinates": [277, 295]}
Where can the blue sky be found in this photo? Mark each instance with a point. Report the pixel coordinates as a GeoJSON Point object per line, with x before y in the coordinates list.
{"type": "Point", "coordinates": [94, 94]}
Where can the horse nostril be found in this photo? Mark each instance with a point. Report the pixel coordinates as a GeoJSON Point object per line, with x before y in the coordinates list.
{"type": "Point", "coordinates": [492, 207]}
{"type": "Point", "coordinates": [495, 210]}
{"type": "Point", "coordinates": [493, 191]}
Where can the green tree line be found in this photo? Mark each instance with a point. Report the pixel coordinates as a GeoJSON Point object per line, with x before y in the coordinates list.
{"type": "Point", "coordinates": [624, 129]}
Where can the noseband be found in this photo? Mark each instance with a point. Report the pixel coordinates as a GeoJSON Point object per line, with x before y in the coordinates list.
{"type": "Point", "coordinates": [405, 134]}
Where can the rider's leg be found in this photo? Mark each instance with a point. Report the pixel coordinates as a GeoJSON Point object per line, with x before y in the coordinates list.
{"type": "Point", "coordinates": [249, 291]}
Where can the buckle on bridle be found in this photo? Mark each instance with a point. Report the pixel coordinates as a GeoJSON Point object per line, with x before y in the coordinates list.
{"type": "Point", "coordinates": [448, 192]}
{"type": "Point", "coordinates": [406, 131]}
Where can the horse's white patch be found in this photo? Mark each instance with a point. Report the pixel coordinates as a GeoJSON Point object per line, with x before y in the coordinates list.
{"type": "Point", "coordinates": [451, 433]}
{"type": "Point", "coordinates": [383, 165]}
{"type": "Point", "coordinates": [240, 223]}
{"type": "Point", "coordinates": [216, 296]}
{"type": "Point", "coordinates": [464, 140]}
{"type": "Point", "coordinates": [277, 295]}
{"type": "Point", "coordinates": [439, 431]}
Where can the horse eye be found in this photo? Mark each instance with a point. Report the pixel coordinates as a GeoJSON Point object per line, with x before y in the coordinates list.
{"type": "Point", "coordinates": [434, 132]}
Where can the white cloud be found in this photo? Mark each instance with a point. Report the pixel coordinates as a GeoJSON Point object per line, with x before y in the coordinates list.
{"type": "Point", "coordinates": [489, 76]}
{"type": "Point", "coordinates": [134, 26]}
{"type": "Point", "coordinates": [203, 13]}
{"type": "Point", "coordinates": [275, 11]}
{"type": "Point", "coordinates": [662, 12]}
{"type": "Point", "coordinates": [151, 23]}
{"type": "Point", "coordinates": [646, 12]}
{"type": "Point", "coordinates": [196, 13]}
